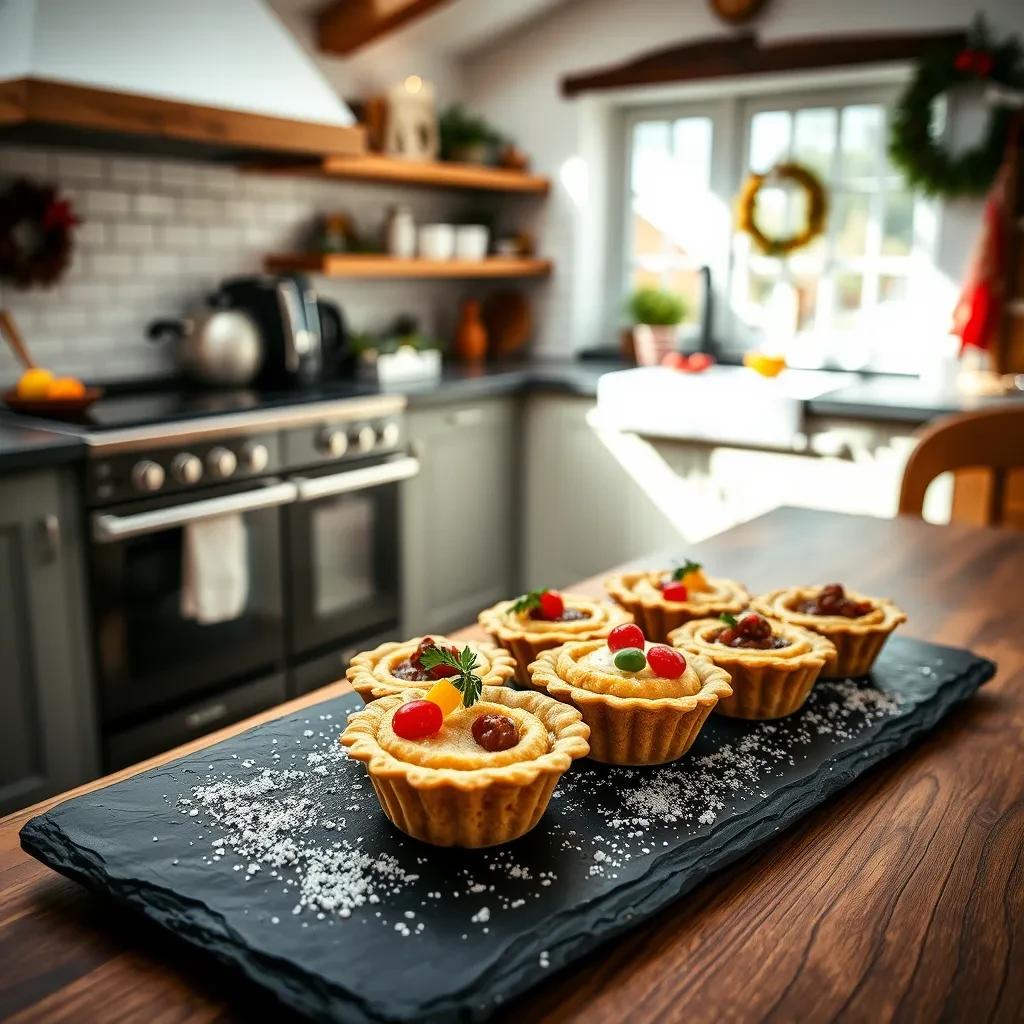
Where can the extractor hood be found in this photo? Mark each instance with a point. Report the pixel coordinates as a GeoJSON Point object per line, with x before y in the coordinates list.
{"type": "Point", "coordinates": [223, 76]}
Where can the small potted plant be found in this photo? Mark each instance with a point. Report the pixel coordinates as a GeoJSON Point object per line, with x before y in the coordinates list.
{"type": "Point", "coordinates": [466, 138]}
{"type": "Point", "coordinates": [656, 316]}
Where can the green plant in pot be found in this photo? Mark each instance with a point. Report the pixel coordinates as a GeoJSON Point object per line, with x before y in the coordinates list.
{"type": "Point", "coordinates": [656, 316]}
{"type": "Point", "coordinates": [467, 138]}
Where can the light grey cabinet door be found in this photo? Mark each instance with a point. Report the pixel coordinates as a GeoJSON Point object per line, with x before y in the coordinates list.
{"type": "Point", "coordinates": [460, 516]}
{"type": "Point", "coordinates": [47, 709]}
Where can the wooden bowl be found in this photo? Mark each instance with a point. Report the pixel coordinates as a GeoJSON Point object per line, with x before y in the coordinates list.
{"type": "Point", "coordinates": [52, 408]}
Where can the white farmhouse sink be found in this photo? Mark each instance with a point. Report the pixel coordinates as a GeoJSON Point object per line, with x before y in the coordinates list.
{"type": "Point", "coordinates": [729, 404]}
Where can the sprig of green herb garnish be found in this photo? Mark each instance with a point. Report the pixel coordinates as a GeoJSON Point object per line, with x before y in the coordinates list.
{"type": "Point", "coordinates": [729, 620]}
{"type": "Point", "coordinates": [527, 602]}
{"type": "Point", "coordinates": [685, 569]}
{"type": "Point", "coordinates": [466, 682]}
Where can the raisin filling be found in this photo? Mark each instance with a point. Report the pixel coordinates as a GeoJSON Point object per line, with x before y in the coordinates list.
{"type": "Point", "coordinates": [832, 600]}
{"type": "Point", "coordinates": [568, 615]}
{"type": "Point", "coordinates": [495, 732]}
{"type": "Point", "coordinates": [412, 671]}
{"type": "Point", "coordinates": [753, 631]}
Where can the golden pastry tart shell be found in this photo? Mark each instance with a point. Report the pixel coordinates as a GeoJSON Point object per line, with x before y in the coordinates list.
{"type": "Point", "coordinates": [858, 642]}
{"type": "Point", "coordinates": [526, 638]}
{"type": "Point", "coordinates": [765, 684]}
{"type": "Point", "coordinates": [370, 672]}
{"type": "Point", "coordinates": [632, 730]}
{"type": "Point", "coordinates": [472, 807]}
{"type": "Point", "coordinates": [638, 594]}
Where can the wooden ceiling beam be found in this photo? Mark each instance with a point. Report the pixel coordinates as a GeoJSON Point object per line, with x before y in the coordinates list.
{"type": "Point", "coordinates": [742, 54]}
{"type": "Point", "coordinates": [346, 25]}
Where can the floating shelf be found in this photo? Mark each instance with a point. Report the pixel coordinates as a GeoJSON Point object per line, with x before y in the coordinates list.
{"type": "Point", "coordinates": [357, 265]}
{"type": "Point", "coordinates": [372, 167]}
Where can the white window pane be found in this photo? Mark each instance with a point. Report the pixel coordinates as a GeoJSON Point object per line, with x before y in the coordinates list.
{"type": "Point", "coordinates": [852, 210]}
{"type": "Point", "coordinates": [861, 141]}
{"type": "Point", "coordinates": [898, 224]}
{"type": "Point", "coordinates": [691, 141]}
{"type": "Point", "coordinates": [769, 139]}
{"type": "Point", "coordinates": [651, 155]}
{"type": "Point", "coordinates": [814, 139]}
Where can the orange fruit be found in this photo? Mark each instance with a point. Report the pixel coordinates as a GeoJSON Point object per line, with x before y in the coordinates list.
{"type": "Point", "coordinates": [66, 387]}
{"type": "Point", "coordinates": [35, 383]}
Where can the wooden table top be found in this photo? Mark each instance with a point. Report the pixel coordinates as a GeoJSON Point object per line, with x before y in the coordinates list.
{"type": "Point", "coordinates": [903, 897]}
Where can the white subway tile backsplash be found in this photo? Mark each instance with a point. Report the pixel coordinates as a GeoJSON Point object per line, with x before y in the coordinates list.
{"type": "Point", "coordinates": [158, 235]}
{"type": "Point", "coordinates": [105, 203]}
{"type": "Point", "coordinates": [134, 236]}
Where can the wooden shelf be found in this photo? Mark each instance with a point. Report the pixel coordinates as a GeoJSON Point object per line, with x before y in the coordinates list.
{"type": "Point", "coordinates": [373, 167]}
{"type": "Point", "coordinates": [355, 265]}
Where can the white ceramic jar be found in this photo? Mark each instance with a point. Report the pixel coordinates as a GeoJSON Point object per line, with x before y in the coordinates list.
{"type": "Point", "coordinates": [437, 241]}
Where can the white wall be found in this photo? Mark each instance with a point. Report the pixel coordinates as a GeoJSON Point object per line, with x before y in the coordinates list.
{"type": "Point", "coordinates": [515, 83]}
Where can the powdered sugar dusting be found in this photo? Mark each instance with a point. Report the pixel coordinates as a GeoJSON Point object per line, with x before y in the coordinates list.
{"type": "Point", "coordinates": [292, 821]}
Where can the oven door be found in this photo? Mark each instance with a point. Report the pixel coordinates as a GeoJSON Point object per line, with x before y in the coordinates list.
{"type": "Point", "coordinates": [154, 650]}
{"type": "Point", "coordinates": [343, 565]}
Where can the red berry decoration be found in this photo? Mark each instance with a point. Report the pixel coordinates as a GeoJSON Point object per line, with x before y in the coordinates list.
{"type": "Point", "coordinates": [551, 605]}
{"type": "Point", "coordinates": [416, 719]}
{"type": "Point", "coordinates": [438, 671]}
{"type": "Point", "coordinates": [666, 662]}
{"type": "Point", "coordinates": [673, 591]}
{"type": "Point", "coordinates": [627, 635]}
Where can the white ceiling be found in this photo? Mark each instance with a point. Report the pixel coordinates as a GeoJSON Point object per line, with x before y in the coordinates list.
{"type": "Point", "coordinates": [455, 29]}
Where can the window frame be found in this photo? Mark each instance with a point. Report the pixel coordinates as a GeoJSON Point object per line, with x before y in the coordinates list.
{"type": "Point", "coordinates": [731, 118]}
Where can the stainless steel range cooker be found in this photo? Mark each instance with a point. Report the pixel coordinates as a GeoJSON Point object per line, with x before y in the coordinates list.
{"type": "Point", "coordinates": [314, 489]}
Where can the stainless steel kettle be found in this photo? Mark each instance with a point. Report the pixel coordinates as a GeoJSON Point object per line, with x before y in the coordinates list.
{"type": "Point", "coordinates": [217, 345]}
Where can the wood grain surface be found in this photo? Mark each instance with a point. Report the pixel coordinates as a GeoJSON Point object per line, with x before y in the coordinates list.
{"type": "Point", "coordinates": [902, 899]}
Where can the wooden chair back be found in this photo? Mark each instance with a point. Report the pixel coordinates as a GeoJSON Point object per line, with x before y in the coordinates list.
{"type": "Point", "coordinates": [983, 449]}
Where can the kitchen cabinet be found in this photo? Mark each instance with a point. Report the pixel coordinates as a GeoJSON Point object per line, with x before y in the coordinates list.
{"type": "Point", "coordinates": [460, 518]}
{"type": "Point", "coordinates": [593, 497]}
{"type": "Point", "coordinates": [46, 701]}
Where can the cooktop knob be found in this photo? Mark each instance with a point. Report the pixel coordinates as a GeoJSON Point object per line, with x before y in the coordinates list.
{"type": "Point", "coordinates": [221, 462]}
{"type": "Point", "coordinates": [364, 438]}
{"type": "Point", "coordinates": [332, 441]}
{"type": "Point", "coordinates": [147, 475]}
{"type": "Point", "coordinates": [187, 468]}
{"type": "Point", "coordinates": [255, 457]}
{"type": "Point", "coordinates": [390, 434]}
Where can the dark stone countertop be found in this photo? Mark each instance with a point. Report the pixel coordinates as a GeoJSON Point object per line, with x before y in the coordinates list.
{"type": "Point", "coordinates": [32, 448]}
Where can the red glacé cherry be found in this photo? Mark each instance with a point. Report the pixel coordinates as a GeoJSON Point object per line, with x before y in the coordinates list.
{"type": "Point", "coordinates": [627, 635]}
{"type": "Point", "coordinates": [551, 605]}
{"type": "Point", "coordinates": [416, 719]}
{"type": "Point", "coordinates": [674, 591]}
{"type": "Point", "coordinates": [666, 662]}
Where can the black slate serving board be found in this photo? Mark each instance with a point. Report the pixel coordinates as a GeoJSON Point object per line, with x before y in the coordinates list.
{"type": "Point", "coordinates": [270, 852]}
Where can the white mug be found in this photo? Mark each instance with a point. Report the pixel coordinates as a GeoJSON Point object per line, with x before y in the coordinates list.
{"type": "Point", "coordinates": [471, 242]}
{"type": "Point", "coordinates": [437, 241]}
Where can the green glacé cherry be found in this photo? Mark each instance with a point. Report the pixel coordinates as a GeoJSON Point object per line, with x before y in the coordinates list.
{"type": "Point", "coordinates": [630, 659]}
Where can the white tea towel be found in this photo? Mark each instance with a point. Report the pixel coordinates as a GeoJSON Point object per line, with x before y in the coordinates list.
{"type": "Point", "coordinates": [215, 569]}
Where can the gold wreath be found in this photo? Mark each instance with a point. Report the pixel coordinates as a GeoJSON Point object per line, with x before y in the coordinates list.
{"type": "Point", "coordinates": [814, 224]}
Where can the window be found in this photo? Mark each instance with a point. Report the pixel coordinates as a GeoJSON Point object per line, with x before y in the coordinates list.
{"type": "Point", "coordinates": [852, 298]}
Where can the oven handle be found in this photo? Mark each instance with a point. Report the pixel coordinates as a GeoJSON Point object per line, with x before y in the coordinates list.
{"type": "Point", "coordinates": [311, 488]}
{"type": "Point", "coordinates": [106, 528]}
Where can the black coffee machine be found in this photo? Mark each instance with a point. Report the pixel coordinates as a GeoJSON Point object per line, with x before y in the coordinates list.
{"type": "Point", "coordinates": [303, 337]}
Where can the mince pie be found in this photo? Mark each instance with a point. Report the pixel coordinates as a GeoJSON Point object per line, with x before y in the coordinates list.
{"type": "Point", "coordinates": [857, 625]}
{"type": "Point", "coordinates": [465, 765]}
{"type": "Point", "coordinates": [772, 664]}
{"type": "Point", "coordinates": [645, 703]}
{"type": "Point", "coordinates": [396, 667]}
{"type": "Point", "coordinates": [543, 619]}
{"type": "Point", "coordinates": [663, 600]}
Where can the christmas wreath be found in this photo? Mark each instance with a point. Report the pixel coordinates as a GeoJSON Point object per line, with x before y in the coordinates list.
{"type": "Point", "coordinates": [912, 144]}
{"type": "Point", "coordinates": [814, 216]}
{"type": "Point", "coordinates": [35, 234]}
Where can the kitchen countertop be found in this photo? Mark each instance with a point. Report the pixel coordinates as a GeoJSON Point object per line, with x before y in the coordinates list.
{"type": "Point", "coordinates": [23, 447]}
{"type": "Point", "coordinates": [26, 444]}
{"type": "Point", "coordinates": [893, 899]}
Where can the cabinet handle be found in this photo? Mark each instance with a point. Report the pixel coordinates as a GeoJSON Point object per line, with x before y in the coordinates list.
{"type": "Point", "coordinates": [49, 532]}
{"type": "Point", "coordinates": [466, 417]}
